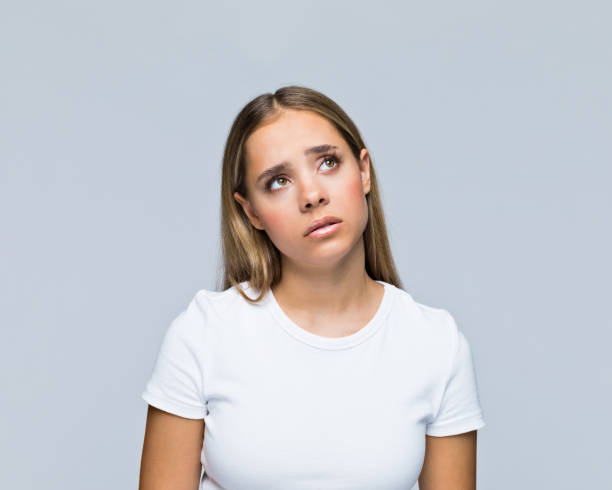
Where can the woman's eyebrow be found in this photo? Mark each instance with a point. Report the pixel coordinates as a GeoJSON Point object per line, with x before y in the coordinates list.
{"type": "Point", "coordinates": [319, 149]}
{"type": "Point", "coordinates": [284, 166]}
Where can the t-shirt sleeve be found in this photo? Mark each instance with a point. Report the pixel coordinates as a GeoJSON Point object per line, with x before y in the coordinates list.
{"type": "Point", "coordinates": [459, 409]}
{"type": "Point", "coordinates": [176, 384]}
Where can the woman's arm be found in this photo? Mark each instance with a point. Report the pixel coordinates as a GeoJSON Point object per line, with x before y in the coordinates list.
{"type": "Point", "coordinates": [450, 463]}
{"type": "Point", "coordinates": [171, 452]}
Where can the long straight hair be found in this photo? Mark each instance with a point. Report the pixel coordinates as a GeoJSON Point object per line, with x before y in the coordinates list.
{"type": "Point", "coordinates": [248, 254]}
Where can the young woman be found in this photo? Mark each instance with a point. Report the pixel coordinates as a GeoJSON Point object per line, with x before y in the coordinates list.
{"type": "Point", "coordinates": [312, 368]}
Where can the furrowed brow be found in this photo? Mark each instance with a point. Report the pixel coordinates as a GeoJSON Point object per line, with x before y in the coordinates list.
{"type": "Point", "coordinates": [284, 166]}
{"type": "Point", "coordinates": [276, 169]}
{"type": "Point", "coordinates": [319, 149]}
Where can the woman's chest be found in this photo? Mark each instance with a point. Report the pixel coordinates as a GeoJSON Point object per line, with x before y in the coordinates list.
{"type": "Point", "coordinates": [293, 422]}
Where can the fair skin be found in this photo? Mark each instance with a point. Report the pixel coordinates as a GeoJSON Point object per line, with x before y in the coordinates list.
{"type": "Point", "coordinates": [324, 289]}
{"type": "Point", "coordinates": [324, 281]}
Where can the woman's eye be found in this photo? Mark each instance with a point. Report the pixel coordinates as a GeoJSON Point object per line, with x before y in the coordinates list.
{"type": "Point", "coordinates": [275, 179]}
{"type": "Point", "coordinates": [330, 159]}
{"type": "Point", "coordinates": [270, 187]}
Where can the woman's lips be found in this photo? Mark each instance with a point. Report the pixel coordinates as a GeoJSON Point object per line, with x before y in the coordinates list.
{"type": "Point", "coordinates": [319, 223]}
{"type": "Point", "coordinates": [325, 230]}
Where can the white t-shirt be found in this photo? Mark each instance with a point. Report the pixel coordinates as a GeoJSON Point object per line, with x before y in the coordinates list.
{"type": "Point", "coordinates": [287, 409]}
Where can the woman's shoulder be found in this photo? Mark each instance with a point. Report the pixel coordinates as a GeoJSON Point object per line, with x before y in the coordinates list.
{"type": "Point", "coordinates": [204, 298]}
{"type": "Point", "coordinates": [425, 317]}
{"type": "Point", "coordinates": [206, 302]}
{"type": "Point", "coordinates": [190, 327]}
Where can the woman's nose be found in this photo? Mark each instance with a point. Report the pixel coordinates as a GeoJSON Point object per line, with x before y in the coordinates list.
{"type": "Point", "coordinates": [313, 194]}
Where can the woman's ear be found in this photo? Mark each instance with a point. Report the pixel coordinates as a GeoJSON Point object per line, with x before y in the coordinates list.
{"type": "Point", "coordinates": [364, 166]}
{"type": "Point", "coordinates": [248, 210]}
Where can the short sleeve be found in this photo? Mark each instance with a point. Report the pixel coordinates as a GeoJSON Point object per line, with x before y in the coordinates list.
{"type": "Point", "coordinates": [460, 409]}
{"type": "Point", "coordinates": [176, 383]}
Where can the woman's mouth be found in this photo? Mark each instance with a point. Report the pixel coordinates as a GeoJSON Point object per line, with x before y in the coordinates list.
{"type": "Point", "coordinates": [324, 231]}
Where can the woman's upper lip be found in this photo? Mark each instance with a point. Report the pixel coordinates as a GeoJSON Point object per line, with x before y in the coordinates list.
{"type": "Point", "coordinates": [326, 220]}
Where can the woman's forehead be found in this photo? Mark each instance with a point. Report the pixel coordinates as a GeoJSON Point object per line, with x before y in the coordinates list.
{"type": "Point", "coordinates": [291, 131]}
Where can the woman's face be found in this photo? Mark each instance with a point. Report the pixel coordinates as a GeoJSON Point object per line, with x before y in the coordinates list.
{"type": "Point", "coordinates": [320, 177]}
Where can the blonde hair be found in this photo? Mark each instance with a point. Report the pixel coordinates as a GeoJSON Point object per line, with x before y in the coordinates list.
{"type": "Point", "coordinates": [248, 254]}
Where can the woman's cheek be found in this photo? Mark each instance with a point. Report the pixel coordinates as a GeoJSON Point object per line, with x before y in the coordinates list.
{"type": "Point", "coordinates": [355, 191]}
{"type": "Point", "coordinates": [357, 201]}
{"type": "Point", "coordinates": [275, 223]}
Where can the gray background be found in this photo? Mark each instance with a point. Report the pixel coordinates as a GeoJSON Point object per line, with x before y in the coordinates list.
{"type": "Point", "coordinates": [489, 125]}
